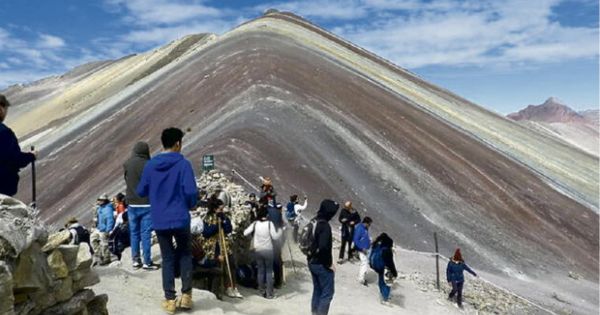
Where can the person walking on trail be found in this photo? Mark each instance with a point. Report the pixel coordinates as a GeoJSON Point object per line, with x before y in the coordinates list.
{"type": "Point", "coordinates": [362, 243]}
{"type": "Point", "coordinates": [275, 215]}
{"type": "Point", "coordinates": [105, 224]}
{"type": "Point", "coordinates": [169, 183]}
{"type": "Point", "coordinates": [293, 211]}
{"type": "Point", "coordinates": [12, 160]}
{"type": "Point", "coordinates": [320, 263]}
{"type": "Point", "coordinates": [252, 204]}
{"type": "Point", "coordinates": [455, 276]}
{"type": "Point", "coordinates": [349, 218]}
{"type": "Point", "coordinates": [382, 262]}
{"type": "Point", "coordinates": [140, 220]}
{"type": "Point", "coordinates": [264, 236]}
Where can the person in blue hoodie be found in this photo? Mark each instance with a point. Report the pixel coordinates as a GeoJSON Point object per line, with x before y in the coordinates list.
{"type": "Point", "coordinates": [362, 243]}
{"type": "Point", "coordinates": [169, 183]}
{"type": "Point", "coordinates": [455, 276]}
{"type": "Point", "coordinates": [12, 160]}
{"type": "Point", "coordinates": [105, 220]}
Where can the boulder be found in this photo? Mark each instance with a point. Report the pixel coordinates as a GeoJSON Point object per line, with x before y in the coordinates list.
{"type": "Point", "coordinates": [88, 279]}
{"type": "Point", "coordinates": [57, 239]}
{"type": "Point", "coordinates": [7, 299]}
{"type": "Point", "coordinates": [32, 272]}
{"type": "Point", "coordinates": [73, 306]}
{"type": "Point", "coordinates": [98, 305]}
{"type": "Point", "coordinates": [63, 289]}
{"type": "Point", "coordinates": [69, 253]}
{"type": "Point", "coordinates": [43, 300]}
{"type": "Point", "coordinates": [19, 227]}
{"type": "Point", "coordinates": [84, 257]}
{"type": "Point", "coordinates": [58, 265]}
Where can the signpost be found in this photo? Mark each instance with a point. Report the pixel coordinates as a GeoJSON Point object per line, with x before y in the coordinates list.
{"type": "Point", "coordinates": [208, 163]}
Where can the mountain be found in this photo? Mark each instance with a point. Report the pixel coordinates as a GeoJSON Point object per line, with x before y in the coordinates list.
{"type": "Point", "coordinates": [279, 96]}
{"type": "Point", "coordinates": [580, 129]}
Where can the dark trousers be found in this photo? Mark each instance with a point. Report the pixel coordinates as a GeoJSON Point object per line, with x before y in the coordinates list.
{"type": "Point", "coordinates": [294, 230]}
{"type": "Point", "coordinates": [180, 254]}
{"type": "Point", "coordinates": [277, 265]}
{"type": "Point", "coordinates": [347, 237]}
{"type": "Point", "coordinates": [457, 288]}
{"type": "Point", "coordinates": [323, 288]}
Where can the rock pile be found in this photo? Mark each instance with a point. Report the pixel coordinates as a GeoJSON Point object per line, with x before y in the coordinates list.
{"type": "Point", "coordinates": [483, 297]}
{"type": "Point", "coordinates": [40, 274]}
{"type": "Point", "coordinates": [238, 213]}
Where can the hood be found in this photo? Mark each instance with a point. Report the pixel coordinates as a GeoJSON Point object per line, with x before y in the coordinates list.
{"type": "Point", "coordinates": [328, 209]}
{"type": "Point", "coordinates": [141, 149]}
{"type": "Point", "coordinates": [166, 161]}
{"type": "Point", "coordinates": [385, 240]}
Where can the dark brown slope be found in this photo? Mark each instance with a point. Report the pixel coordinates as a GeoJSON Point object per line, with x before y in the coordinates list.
{"type": "Point", "coordinates": [265, 105]}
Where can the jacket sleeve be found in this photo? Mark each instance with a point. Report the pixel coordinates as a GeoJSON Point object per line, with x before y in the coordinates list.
{"type": "Point", "coordinates": [144, 184]}
{"type": "Point", "coordinates": [342, 218]}
{"type": "Point", "coordinates": [110, 219]}
{"type": "Point", "coordinates": [275, 233]}
{"type": "Point", "coordinates": [299, 208]}
{"type": "Point", "coordinates": [469, 270]}
{"type": "Point", "coordinates": [323, 248]}
{"type": "Point", "coordinates": [388, 258]}
{"type": "Point", "coordinates": [226, 224]}
{"type": "Point", "coordinates": [11, 152]}
{"type": "Point", "coordinates": [190, 190]}
{"type": "Point", "coordinates": [448, 273]}
{"type": "Point", "coordinates": [250, 229]}
{"type": "Point", "coordinates": [209, 230]}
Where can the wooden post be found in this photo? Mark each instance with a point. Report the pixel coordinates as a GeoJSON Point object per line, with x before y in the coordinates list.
{"type": "Point", "coordinates": [437, 261]}
{"type": "Point", "coordinates": [33, 188]}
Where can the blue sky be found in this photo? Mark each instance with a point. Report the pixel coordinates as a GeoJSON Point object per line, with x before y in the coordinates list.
{"type": "Point", "coordinates": [503, 55]}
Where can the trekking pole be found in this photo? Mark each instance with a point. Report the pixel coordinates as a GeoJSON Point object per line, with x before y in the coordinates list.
{"type": "Point", "coordinates": [224, 250]}
{"type": "Point", "coordinates": [437, 261]}
{"type": "Point", "coordinates": [291, 257]}
{"type": "Point", "coordinates": [33, 192]}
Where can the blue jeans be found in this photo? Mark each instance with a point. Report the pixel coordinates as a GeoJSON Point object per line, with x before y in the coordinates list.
{"type": "Point", "coordinates": [323, 288]}
{"type": "Point", "coordinates": [171, 255]}
{"type": "Point", "coordinates": [383, 288]}
{"type": "Point", "coordinates": [140, 229]}
{"type": "Point", "coordinates": [264, 263]}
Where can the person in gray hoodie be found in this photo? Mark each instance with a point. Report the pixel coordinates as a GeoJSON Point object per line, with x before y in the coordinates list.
{"type": "Point", "coordinates": [140, 222]}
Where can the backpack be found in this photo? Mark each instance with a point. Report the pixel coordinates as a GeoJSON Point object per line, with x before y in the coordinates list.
{"type": "Point", "coordinates": [307, 238]}
{"type": "Point", "coordinates": [83, 235]}
{"type": "Point", "coordinates": [376, 259]}
{"type": "Point", "coordinates": [290, 214]}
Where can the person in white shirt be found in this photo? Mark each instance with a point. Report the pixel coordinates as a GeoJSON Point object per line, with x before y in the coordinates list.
{"type": "Point", "coordinates": [293, 214]}
{"type": "Point", "coordinates": [264, 235]}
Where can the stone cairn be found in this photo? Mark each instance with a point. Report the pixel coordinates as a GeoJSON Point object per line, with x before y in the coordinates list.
{"type": "Point", "coordinates": [40, 273]}
{"type": "Point", "coordinates": [238, 213]}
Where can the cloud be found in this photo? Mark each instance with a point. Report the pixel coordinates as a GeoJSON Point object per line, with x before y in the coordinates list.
{"type": "Point", "coordinates": [50, 41]}
{"type": "Point", "coordinates": [154, 12]}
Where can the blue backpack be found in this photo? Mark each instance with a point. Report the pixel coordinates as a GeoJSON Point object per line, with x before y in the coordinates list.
{"type": "Point", "coordinates": [290, 213]}
{"type": "Point", "coordinates": [376, 259]}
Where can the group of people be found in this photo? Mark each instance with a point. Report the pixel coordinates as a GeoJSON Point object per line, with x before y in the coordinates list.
{"type": "Point", "coordinates": [161, 195]}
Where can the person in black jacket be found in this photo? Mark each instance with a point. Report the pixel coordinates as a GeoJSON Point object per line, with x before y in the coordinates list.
{"type": "Point", "coordinates": [320, 263]}
{"type": "Point", "coordinates": [349, 218]}
{"type": "Point", "coordinates": [386, 244]}
{"type": "Point", "coordinates": [12, 160]}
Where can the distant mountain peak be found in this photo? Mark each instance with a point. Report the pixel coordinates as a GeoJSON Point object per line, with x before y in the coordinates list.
{"type": "Point", "coordinates": [552, 110]}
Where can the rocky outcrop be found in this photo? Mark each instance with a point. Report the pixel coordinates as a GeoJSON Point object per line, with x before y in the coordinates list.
{"type": "Point", "coordinates": [40, 274]}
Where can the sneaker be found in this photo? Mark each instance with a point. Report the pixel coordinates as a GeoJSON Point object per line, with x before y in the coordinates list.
{"type": "Point", "coordinates": [185, 302]}
{"type": "Point", "coordinates": [169, 306]}
{"type": "Point", "coordinates": [233, 293]}
{"type": "Point", "coordinates": [137, 265]}
{"type": "Point", "coordinates": [340, 261]}
{"type": "Point", "coordinates": [387, 303]}
{"type": "Point", "coordinates": [150, 267]}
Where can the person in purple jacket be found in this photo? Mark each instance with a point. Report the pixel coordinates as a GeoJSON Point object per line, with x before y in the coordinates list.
{"type": "Point", "coordinates": [12, 160]}
{"type": "Point", "coordinates": [169, 182]}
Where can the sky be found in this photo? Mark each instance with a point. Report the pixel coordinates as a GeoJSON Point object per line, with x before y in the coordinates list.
{"type": "Point", "coordinates": [500, 54]}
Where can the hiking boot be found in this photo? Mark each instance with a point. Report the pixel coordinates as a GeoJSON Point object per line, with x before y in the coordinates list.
{"type": "Point", "coordinates": [169, 306]}
{"type": "Point", "coordinates": [185, 301]}
{"type": "Point", "coordinates": [233, 293]}
{"type": "Point", "coordinates": [150, 267]}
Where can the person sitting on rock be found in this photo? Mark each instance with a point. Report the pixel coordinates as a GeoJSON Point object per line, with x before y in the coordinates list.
{"type": "Point", "coordinates": [79, 233]}
{"type": "Point", "coordinates": [455, 276]}
{"type": "Point", "coordinates": [213, 242]}
{"type": "Point", "coordinates": [264, 236]}
{"type": "Point", "coordinates": [105, 223]}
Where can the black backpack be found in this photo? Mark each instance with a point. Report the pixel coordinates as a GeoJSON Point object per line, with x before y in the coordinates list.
{"type": "Point", "coordinates": [306, 241]}
{"type": "Point", "coordinates": [83, 235]}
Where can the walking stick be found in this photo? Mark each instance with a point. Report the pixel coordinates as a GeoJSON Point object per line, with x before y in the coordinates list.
{"type": "Point", "coordinates": [224, 250]}
{"type": "Point", "coordinates": [291, 257]}
{"type": "Point", "coordinates": [33, 192]}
